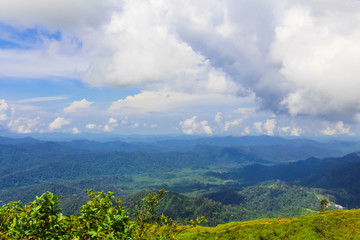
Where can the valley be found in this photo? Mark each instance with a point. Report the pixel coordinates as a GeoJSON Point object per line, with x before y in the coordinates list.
{"type": "Point", "coordinates": [224, 179]}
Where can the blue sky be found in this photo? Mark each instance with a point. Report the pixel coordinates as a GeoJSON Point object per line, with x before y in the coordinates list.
{"type": "Point", "coordinates": [284, 67]}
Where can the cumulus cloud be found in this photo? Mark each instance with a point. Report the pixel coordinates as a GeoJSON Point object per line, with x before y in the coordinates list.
{"type": "Point", "coordinates": [58, 123]}
{"type": "Point", "coordinates": [78, 106]}
{"type": "Point", "coordinates": [338, 129]}
{"type": "Point", "coordinates": [285, 129]}
{"type": "Point", "coordinates": [108, 128]}
{"type": "Point", "coordinates": [232, 123]}
{"type": "Point", "coordinates": [75, 130]}
{"type": "Point", "coordinates": [269, 126]}
{"type": "Point", "coordinates": [111, 125]}
{"type": "Point", "coordinates": [218, 117]}
{"type": "Point", "coordinates": [90, 126]}
{"type": "Point", "coordinates": [192, 127]}
{"type": "Point", "coordinates": [4, 110]}
{"type": "Point", "coordinates": [318, 49]}
{"type": "Point", "coordinates": [296, 131]}
{"type": "Point", "coordinates": [258, 126]}
{"type": "Point", "coordinates": [296, 57]}
{"type": "Point", "coordinates": [292, 131]}
{"type": "Point", "coordinates": [25, 125]}
{"type": "Point", "coordinates": [246, 131]}
{"type": "Point", "coordinates": [112, 121]}
{"type": "Point", "coordinates": [22, 119]}
{"type": "Point", "coordinates": [138, 47]}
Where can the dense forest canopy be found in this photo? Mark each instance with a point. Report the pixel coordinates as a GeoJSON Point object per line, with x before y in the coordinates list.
{"type": "Point", "coordinates": [224, 179]}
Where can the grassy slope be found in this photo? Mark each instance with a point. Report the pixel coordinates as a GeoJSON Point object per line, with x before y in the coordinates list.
{"type": "Point", "coordinates": [326, 225]}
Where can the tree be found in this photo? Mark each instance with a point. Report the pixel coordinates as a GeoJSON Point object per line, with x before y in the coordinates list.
{"type": "Point", "coordinates": [324, 204]}
{"type": "Point", "coordinates": [102, 217]}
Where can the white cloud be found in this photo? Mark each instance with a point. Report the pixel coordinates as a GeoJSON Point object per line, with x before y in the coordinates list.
{"type": "Point", "coordinates": [258, 126]}
{"type": "Point", "coordinates": [112, 121]}
{"type": "Point", "coordinates": [191, 126]}
{"type": "Point", "coordinates": [78, 106]}
{"type": "Point", "coordinates": [293, 131]}
{"type": "Point", "coordinates": [296, 131]}
{"type": "Point", "coordinates": [318, 48]}
{"type": "Point", "coordinates": [299, 57]}
{"type": "Point", "coordinates": [4, 110]}
{"type": "Point", "coordinates": [108, 128]}
{"type": "Point", "coordinates": [218, 117]}
{"type": "Point", "coordinates": [269, 126]}
{"type": "Point", "coordinates": [338, 129]}
{"type": "Point", "coordinates": [148, 102]}
{"type": "Point", "coordinates": [90, 126]}
{"type": "Point", "coordinates": [246, 131]}
{"type": "Point", "coordinates": [285, 129]}
{"type": "Point", "coordinates": [138, 47]}
{"type": "Point", "coordinates": [232, 123]}
{"type": "Point", "coordinates": [75, 130]}
{"type": "Point", "coordinates": [58, 123]}
{"type": "Point", "coordinates": [25, 125]}
{"type": "Point", "coordinates": [40, 99]}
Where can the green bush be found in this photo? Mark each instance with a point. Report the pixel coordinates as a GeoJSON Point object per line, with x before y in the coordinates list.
{"type": "Point", "coordinates": [102, 217]}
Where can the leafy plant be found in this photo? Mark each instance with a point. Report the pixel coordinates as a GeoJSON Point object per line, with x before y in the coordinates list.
{"type": "Point", "coordinates": [41, 218]}
{"type": "Point", "coordinates": [102, 217]}
{"type": "Point", "coordinates": [151, 225]}
{"type": "Point", "coordinates": [324, 204]}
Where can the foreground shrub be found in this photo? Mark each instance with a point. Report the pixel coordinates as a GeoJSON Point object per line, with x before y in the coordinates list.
{"type": "Point", "coordinates": [102, 217]}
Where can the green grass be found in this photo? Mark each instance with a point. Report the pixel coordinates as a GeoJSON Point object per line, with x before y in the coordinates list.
{"type": "Point", "coordinates": [325, 225]}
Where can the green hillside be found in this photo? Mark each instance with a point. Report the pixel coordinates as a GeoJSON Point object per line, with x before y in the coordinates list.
{"type": "Point", "coordinates": [325, 225]}
{"type": "Point", "coordinates": [224, 183]}
{"type": "Point", "coordinates": [270, 199]}
{"type": "Point", "coordinates": [104, 217]}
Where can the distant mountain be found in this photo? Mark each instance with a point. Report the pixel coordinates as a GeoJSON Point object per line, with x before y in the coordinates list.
{"type": "Point", "coordinates": [344, 181]}
{"type": "Point", "coordinates": [290, 172]}
{"type": "Point", "coordinates": [6, 140]}
{"type": "Point", "coordinates": [338, 175]}
{"type": "Point", "coordinates": [119, 146]}
{"type": "Point", "coordinates": [191, 166]}
{"type": "Point", "coordinates": [273, 149]}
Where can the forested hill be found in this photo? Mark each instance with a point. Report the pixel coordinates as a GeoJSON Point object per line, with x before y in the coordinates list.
{"type": "Point", "coordinates": [221, 170]}
{"type": "Point", "coordinates": [102, 216]}
{"type": "Point", "coordinates": [269, 199]}
{"type": "Point", "coordinates": [338, 175]}
{"type": "Point", "coordinates": [291, 171]}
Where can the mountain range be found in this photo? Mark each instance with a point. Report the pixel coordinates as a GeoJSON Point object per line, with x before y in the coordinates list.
{"type": "Point", "coordinates": [230, 171]}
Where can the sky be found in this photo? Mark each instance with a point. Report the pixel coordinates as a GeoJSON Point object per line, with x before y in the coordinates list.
{"type": "Point", "coordinates": [225, 67]}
